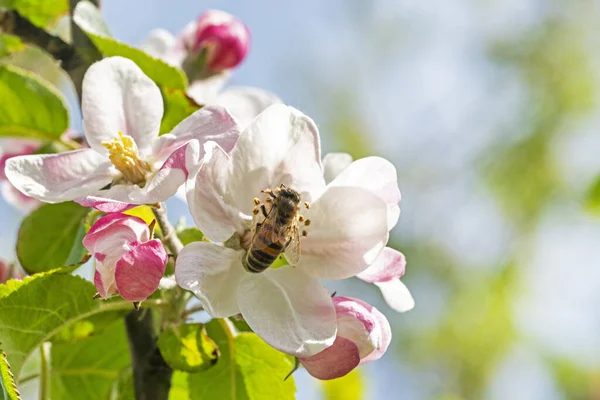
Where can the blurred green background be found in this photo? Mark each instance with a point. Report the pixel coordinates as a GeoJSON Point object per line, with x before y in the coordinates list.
{"type": "Point", "coordinates": [488, 109]}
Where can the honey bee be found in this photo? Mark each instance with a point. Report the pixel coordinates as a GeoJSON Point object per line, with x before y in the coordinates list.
{"type": "Point", "coordinates": [279, 232]}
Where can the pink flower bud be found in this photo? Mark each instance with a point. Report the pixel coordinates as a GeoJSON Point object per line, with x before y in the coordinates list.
{"type": "Point", "coordinates": [363, 335]}
{"type": "Point", "coordinates": [128, 261]}
{"type": "Point", "coordinates": [225, 39]}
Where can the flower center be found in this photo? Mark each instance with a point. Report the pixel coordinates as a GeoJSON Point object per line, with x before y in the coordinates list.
{"type": "Point", "coordinates": [123, 153]}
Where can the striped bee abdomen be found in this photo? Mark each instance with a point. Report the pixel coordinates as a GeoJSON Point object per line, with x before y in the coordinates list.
{"type": "Point", "coordinates": [262, 253]}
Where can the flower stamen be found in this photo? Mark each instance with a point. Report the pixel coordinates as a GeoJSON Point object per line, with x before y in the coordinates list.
{"type": "Point", "coordinates": [123, 153]}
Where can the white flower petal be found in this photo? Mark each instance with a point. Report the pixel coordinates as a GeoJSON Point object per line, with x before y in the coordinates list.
{"type": "Point", "coordinates": [281, 145]}
{"type": "Point", "coordinates": [118, 96]}
{"type": "Point", "coordinates": [213, 273]}
{"type": "Point", "coordinates": [158, 43]}
{"type": "Point", "coordinates": [396, 294]}
{"type": "Point", "coordinates": [334, 164]}
{"type": "Point", "coordinates": [54, 178]}
{"type": "Point", "coordinates": [245, 103]}
{"type": "Point", "coordinates": [348, 230]}
{"type": "Point", "coordinates": [206, 91]}
{"type": "Point", "coordinates": [209, 123]}
{"type": "Point", "coordinates": [207, 199]}
{"type": "Point", "coordinates": [390, 264]}
{"type": "Point", "coordinates": [377, 175]}
{"type": "Point", "coordinates": [289, 310]}
{"type": "Point", "coordinates": [12, 196]}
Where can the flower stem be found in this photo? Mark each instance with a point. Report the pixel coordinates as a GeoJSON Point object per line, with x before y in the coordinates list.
{"type": "Point", "coordinates": [169, 235]}
{"type": "Point", "coordinates": [44, 371]}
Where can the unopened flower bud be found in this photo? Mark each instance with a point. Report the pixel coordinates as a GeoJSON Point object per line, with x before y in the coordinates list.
{"type": "Point", "coordinates": [363, 335]}
{"type": "Point", "coordinates": [224, 39]}
{"type": "Point", "coordinates": [128, 261]}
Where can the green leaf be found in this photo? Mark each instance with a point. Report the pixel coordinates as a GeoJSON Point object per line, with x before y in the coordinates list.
{"type": "Point", "coordinates": [248, 369]}
{"type": "Point", "coordinates": [39, 306]}
{"type": "Point", "coordinates": [87, 369]}
{"type": "Point", "coordinates": [40, 12]}
{"type": "Point", "coordinates": [179, 386]}
{"type": "Point", "coordinates": [178, 106]}
{"type": "Point", "coordinates": [349, 387]}
{"type": "Point", "coordinates": [30, 106]}
{"type": "Point", "coordinates": [159, 71]}
{"type": "Point", "coordinates": [186, 347]}
{"type": "Point", "coordinates": [9, 44]}
{"type": "Point", "coordinates": [82, 329]}
{"type": "Point", "coordinates": [8, 388]}
{"type": "Point", "coordinates": [189, 235]}
{"type": "Point", "coordinates": [50, 237]}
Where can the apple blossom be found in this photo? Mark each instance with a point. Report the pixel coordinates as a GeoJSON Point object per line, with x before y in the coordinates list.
{"type": "Point", "coordinates": [128, 261]}
{"type": "Point", "coordinates": [286, 306]}
{"type": "Point", "coordinates": [227, 39]}
{"type": "Point", "coordinates": [12, 147]}
{"type": "Point", "coordinates": [363, 335]}
{"type": "Point", "coordinates": [127, 161]}
{"type": "Point", "coordinates": [379, 176]}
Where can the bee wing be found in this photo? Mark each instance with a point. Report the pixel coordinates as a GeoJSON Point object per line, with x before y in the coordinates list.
{"type": "Point", "coordinates": [292, 250]}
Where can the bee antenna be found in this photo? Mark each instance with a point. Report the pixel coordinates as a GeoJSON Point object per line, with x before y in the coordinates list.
{"type": "Point", "coordinates": [333, 294]}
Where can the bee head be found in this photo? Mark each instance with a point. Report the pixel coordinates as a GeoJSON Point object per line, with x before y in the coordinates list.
{"type": "Point", "coordinates": [290, 194]}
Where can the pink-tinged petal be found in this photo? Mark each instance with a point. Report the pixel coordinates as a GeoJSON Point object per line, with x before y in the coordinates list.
{"type": "Point", "coordinates": [357, 322]}
{"type": "Point", "coordinates": [161, 185]}
{"type": "Point", "coordinates": [389, 264]}
{"type": "Point", "coordinates": [245, 103]}
{"type": "Point", "coordinates": [396, 295]}
{"type": "Point", "coordinates": [333, 362]}
{"type": "Point", "coordinates": [377, 175]}
{"type": "Point", "coordinates": [100, 285]}
{"type": "Point", "coordinates": [54, 178]}
{"type": "Point", "coordinates": [10, 147]}
{"type": "Point", "coordinates": [289, 310]}
{"type": "Point", "coordinates": [384, 334]}
{"type": "Point", "coordinates": [103, 204]}
{"type": "Point", "coordinates": [116, 228]}
{"type": "Point", "coordinates": [104, 278]}
{"type": "Point", "coordinates": [348, 230]}
{"type": "Point", "coordinates": [139, 271]}
{"type": "Point", "coordinates": [334, 164]}
{"type": "Point", "coordinates": [12, 196]}
{"type": "Point", "coordinates": [281, 145]}
{"type": "Point", "coordinates": [209, 123]}
{"type": "Point", "coordinates": [213, 273]}
{"type": "Point", "coordinates": [207, 199]}
{"type": "Point", "coordinates": [118, 96]}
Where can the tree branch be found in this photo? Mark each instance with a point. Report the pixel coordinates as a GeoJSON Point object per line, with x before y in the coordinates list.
{"type": "Point", "coordinates": [169, 234]}
{"type": "Point", "coordinates": [151, 374]}
{"type": "Point", "coordinates": [74, 59]}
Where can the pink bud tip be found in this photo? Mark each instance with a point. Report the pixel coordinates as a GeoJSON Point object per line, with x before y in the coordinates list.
{"type": "Point", "coordinates": [225, 39]}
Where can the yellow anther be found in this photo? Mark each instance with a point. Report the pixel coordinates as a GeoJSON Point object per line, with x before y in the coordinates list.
{"type": "Point", "coordinates": [123, 153]}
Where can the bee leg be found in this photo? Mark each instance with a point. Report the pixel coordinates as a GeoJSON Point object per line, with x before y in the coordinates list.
{"type": "Point", "coordinates": [307, 204]}
{"type": "Point", "coordinates": [264, 210]}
